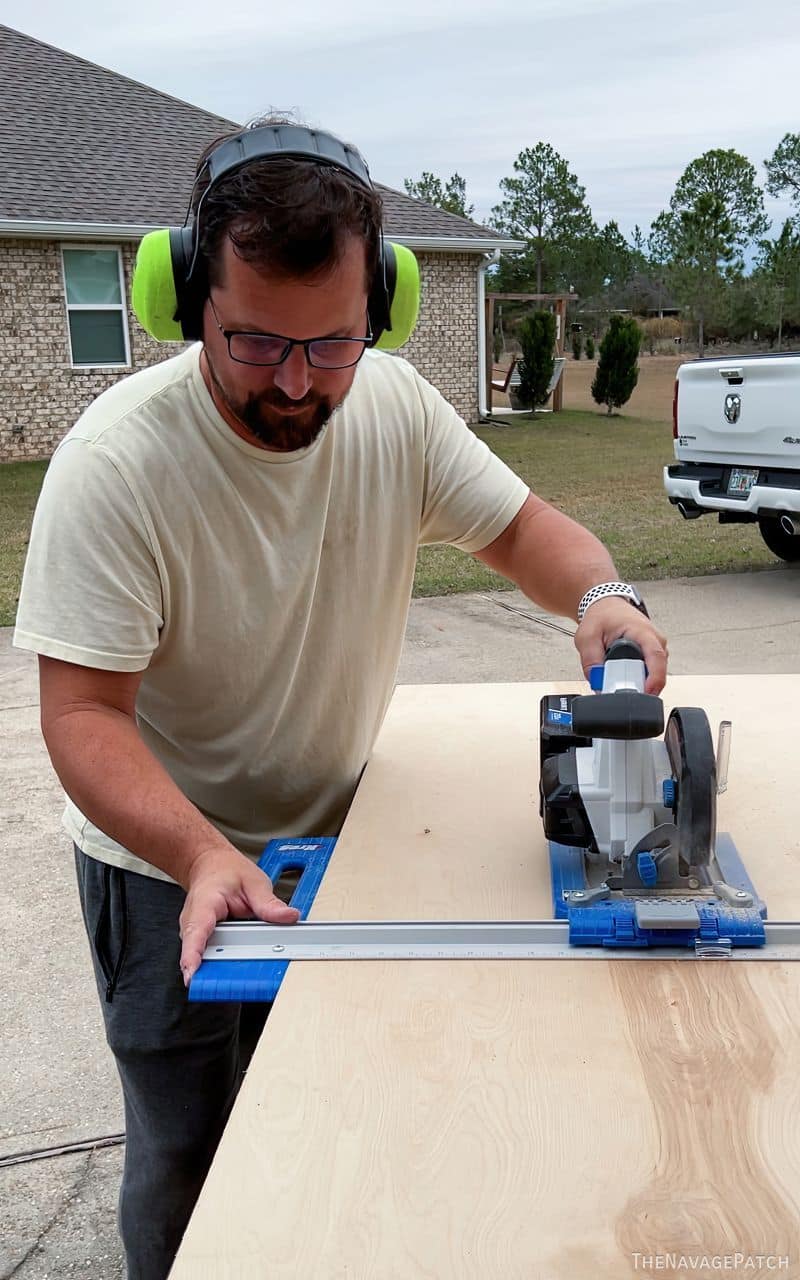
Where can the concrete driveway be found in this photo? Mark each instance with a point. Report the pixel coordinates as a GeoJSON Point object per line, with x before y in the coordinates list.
{"type": "Point", "coordinates": [57, 1185]}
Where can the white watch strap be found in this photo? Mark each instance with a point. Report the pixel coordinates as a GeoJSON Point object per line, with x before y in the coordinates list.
{"type": "Point", "coordinates": [602, 590]}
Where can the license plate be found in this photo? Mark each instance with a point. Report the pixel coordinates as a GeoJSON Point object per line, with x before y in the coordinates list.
{"type": "Point", "coordinates": [742, 480]}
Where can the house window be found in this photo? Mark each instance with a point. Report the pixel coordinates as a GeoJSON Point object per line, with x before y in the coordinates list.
{"type": "Point", "coordinates": [95, 292]}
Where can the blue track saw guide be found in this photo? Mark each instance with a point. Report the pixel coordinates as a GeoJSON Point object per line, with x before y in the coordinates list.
{"type": "Point", "coordinates": [259, 980]}
{"type": "Point", "coordinates": [637, 868]}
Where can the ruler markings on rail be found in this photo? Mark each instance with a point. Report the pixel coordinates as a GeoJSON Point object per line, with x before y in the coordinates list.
{"type": "Point", "coordinates": [461, 940]}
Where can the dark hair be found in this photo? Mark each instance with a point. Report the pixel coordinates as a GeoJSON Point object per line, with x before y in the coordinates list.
{"type": "Point", "coordinates": [288, 215]}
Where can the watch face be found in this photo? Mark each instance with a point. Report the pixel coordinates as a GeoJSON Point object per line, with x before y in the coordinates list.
{"type": "Point", "coordinates": [638, 602]}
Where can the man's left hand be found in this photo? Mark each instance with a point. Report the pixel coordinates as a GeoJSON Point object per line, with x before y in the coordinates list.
{"type": "Point", "coordinates": [610, 619]}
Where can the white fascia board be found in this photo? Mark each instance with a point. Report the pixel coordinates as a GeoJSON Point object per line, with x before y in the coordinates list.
{"type": "Point", "coordinates": [44, 229]}
{"type": "Point", "coordinates": [457, 244]}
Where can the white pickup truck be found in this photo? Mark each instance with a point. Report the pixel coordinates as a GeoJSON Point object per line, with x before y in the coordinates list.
{"type": "Point", "coordinates": [736, 423]}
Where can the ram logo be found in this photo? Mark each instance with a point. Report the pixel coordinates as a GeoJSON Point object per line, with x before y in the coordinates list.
{"type": "Point", "coordinates": [733, 407]}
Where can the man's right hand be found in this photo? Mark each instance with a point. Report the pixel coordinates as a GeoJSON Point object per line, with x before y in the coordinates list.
{"type": "Point", "coordinates": [224, 884]}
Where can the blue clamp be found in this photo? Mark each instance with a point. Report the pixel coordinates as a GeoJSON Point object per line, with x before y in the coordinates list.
{"type": "Point", "coordinates": [257, 981]}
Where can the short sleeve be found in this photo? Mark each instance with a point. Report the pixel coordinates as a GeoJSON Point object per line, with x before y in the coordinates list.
{"type": "Point", "coordinates": [91, 591]}
{"type": "Point", "coordinates": [471, 496]}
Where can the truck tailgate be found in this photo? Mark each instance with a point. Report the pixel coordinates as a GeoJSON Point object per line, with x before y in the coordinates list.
{"type": "Point", "coordinates": [742, 409]}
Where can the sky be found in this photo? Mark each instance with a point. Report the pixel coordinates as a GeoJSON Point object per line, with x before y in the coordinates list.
{"type": "Point", "coordinates": [628, 93]}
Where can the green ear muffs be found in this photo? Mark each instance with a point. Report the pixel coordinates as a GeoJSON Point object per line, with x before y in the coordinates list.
{"type": "Point", "coordinates": [162, 260]}
{"type": "Point", "coordinates": [403, 297]}
{"type": "Point", "coordinates": [166, 305]}
{"type": "Point", "coordinates": [153, 295]}
{"type": "Point", "coordinates": [170, 281]}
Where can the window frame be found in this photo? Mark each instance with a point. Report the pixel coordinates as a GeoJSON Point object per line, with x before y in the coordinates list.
{"type": "Point", "coordinates": [121, 306]}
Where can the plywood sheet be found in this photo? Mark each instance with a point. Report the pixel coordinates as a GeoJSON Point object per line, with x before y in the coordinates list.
{"type": "Point", "coordinates": [540, 1120]}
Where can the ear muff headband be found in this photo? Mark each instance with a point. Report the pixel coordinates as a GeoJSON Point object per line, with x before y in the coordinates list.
{"type": "Point", "coordinates": [169, 284]}
{"type": "Point", "coordinates": [290, 140]}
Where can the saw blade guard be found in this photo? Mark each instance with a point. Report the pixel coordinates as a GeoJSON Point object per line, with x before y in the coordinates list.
{"type": "Point", "coordinates": [690, 748]}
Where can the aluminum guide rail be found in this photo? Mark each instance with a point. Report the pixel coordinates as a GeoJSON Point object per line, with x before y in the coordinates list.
{"type": "Point", "coordinates": [461, 940]}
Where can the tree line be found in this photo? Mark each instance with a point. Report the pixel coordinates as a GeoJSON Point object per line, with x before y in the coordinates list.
{"type": "Point", "coordinates": [694, 252]}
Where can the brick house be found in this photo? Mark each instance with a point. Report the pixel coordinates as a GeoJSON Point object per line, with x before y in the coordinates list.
{"type": "Point", "coordinates": [91, 161]}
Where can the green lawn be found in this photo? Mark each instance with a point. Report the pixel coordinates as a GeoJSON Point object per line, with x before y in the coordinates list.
{"type": "Point", "coordinates": [605, 472]}
{"type": "Point", "coordinates": [20, 483]}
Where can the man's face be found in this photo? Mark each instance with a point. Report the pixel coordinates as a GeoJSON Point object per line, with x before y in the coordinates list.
{"type": "Point", "coordinates": [282, 406]}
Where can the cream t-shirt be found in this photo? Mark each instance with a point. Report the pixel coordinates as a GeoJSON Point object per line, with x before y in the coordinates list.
{"type": "Point", "coordinates": [263, 594]}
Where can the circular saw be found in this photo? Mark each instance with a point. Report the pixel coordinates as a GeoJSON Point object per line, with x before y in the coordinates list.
{"type": "Point", "coordinates": [631, 818]}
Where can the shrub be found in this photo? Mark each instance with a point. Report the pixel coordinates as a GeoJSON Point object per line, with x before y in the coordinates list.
{"type": "Point", "coordinates": [660, 333]}
{"type": "Point", "coordinates": [662, 327]}
{"type": "Point", "coordinates": [577, 344]}
{"type": "Point", "coordinates": [617, 370]}
{"type": "Point", "coordinates": [537, 336]}
{"type": "Point", "coordinates": [589, 347]}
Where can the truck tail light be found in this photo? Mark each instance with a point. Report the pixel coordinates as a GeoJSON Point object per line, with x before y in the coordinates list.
{"type": "Point", "coordinates": [675, 411]}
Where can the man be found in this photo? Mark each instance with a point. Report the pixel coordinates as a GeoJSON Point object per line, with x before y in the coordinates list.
{"type": "Point", "coordinates": [217, 586]}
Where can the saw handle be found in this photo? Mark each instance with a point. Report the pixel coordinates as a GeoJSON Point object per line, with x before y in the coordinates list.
{"type": "Point", "coordinates": [624, 648]}
{"type": "Point", "coordinates": [625, 714]}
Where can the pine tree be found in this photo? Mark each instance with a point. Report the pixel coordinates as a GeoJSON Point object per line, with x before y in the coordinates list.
{"type": "Point", "coordinates": [617, 370]}
{"type": "Point", "coordinates": [716, 211]}
{"type": "Point", "coordinates": [544, 204]}
{"type": "Point", "coordinates": [450, 196]}
{"type": "Point", "coordinates": [537, 336]}
{"type": "Point", "coordinates": [783, 169]}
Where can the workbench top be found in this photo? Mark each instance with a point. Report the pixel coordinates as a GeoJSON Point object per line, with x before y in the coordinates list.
{"type": "Point", "coordinates": [539, 1120]}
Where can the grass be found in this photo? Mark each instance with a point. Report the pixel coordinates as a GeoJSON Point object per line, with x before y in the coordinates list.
{"type": "Point", "coordinates": [604, 472]}
{"type": "Point", "coordinates": [607, 474]}
{"type": "Point", "coordinates": [20, 483]}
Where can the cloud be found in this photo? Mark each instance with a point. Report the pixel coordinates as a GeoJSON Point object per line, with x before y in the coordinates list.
{"type": "Point", "coordinates": [629, 93]}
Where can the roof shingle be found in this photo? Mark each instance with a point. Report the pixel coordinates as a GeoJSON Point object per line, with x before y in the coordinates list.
{"type": "Point", "coordinates": [79, 143]}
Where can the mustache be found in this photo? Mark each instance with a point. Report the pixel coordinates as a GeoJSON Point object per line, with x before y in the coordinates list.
{"type": "Point", "coordinates": [276, 399]}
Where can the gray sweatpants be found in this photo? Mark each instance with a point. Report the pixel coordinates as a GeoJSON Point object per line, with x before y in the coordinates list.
{"type": "Point", "coordinates": [180, 1064]}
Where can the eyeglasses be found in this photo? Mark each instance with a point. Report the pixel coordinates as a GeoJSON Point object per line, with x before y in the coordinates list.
{"type": "Point", "coordinates": [273, 348]}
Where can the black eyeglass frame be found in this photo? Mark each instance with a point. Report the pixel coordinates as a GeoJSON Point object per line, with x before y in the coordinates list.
{"type": "Point", "coordinates": [291, 343]}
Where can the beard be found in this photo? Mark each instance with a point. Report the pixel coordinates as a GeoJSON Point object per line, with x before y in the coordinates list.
{"type": "Point", "coordinates": [276, 421]}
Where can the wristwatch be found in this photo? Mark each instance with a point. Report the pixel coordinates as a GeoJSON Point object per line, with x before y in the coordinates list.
{"type": "Point", "coordinates": [604, 589]}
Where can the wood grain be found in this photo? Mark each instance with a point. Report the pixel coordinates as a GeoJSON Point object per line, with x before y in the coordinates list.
{"type": "Point", "coordinates": [719, 1039]}
{"type": "Point", "coordinates": [541, 1120]}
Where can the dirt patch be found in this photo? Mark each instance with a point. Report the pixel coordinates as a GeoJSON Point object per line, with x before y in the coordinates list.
{"type": "Point", "coordinates": [652, 397]}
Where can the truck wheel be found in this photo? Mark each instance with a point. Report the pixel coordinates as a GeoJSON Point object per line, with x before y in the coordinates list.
{"type": "Point", "coordinates": [784, 545]}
